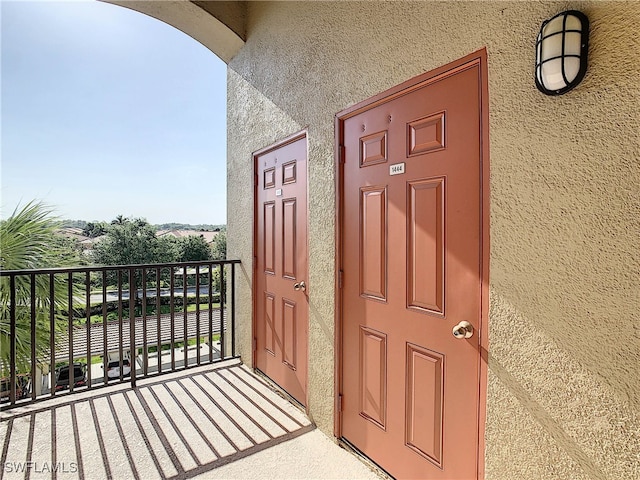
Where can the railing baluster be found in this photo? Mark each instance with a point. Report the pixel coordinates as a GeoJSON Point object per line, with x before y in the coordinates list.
{"type": "Point", "coordinates": [172, 283]}
{"type": "Point", "coordinates": [221, 295]}
{"type": "Point", "coordinates": [198, 314]}
{"type": "Point", "coordinates": [133, 294]}
{"type": "Point", "coordinates": [120, 327]}
{"type": "Point", "coordinates": [12, 340]}
{"type": "Point", "coordinates": [210, 290]}
{"type": "Point", "coordinates": [184, 317]}
{"type": "Point", "coordinates": [72, 370]}
{"type": "Point", "coordinates": [145, 356]}
{"type": "Point", "coordinates": [88, 313]}
{"type": "Point", "coordinates": [52, 334]}
{"type": "Point", "coordinates": [33, 338]}
{"type": "Point", "coordinates": [233, 309]}
{"type": "Point", "coordinates": [158, 305]}
{"type": "Point", "coordinates": [105, 352]}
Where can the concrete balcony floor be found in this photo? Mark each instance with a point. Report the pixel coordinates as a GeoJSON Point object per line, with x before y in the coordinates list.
{"type": "Point", "coordinates": [207, 422]}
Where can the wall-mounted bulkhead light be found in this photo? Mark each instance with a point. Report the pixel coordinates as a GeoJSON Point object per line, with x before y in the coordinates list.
{"type": "Point", "coordinates": [561, 52]}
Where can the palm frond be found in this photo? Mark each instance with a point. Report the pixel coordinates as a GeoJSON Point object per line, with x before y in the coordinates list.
{"type": "Point", "coordinates": [27, 242]}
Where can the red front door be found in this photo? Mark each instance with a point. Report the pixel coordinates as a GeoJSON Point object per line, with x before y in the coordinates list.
{"type": "Point", "coordinates": [282, 308]}
{"type": "Point", "coordinates": [412, 271]}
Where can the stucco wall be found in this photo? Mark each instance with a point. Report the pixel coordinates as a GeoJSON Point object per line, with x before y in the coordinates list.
{"type": "Point", "coordinates": [564, 362]}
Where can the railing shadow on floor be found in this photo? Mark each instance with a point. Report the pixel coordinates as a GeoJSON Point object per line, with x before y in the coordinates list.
{"type": "Point", "coordinates": [172, 427]}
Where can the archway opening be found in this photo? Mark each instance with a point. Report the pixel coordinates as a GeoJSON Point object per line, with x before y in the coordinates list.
{"type": "Point", "coordinates": [107, 112]}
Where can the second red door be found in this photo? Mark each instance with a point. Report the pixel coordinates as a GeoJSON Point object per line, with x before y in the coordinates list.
{"type": "Point", "coordinates": [281, 270]}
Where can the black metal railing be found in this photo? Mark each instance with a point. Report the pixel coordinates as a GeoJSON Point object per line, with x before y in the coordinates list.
{"type": "Point", "coordinates": [60, 326]}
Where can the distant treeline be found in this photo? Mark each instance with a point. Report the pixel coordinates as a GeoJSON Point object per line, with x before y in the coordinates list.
{"type": "Point", "coordinates": [165, 226]}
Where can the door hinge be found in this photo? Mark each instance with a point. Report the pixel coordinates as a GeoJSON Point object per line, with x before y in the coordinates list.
{"type": "Point", "coordinates": [255, 262]}
{"type": "Point", "coordinates": [340, 402]}
{"type": "Point", "coordinates": [341, 154]}
{"type": "Point", "coordinates": [340, 272]}
{"type": "Point", "coordinates": [255, 344]}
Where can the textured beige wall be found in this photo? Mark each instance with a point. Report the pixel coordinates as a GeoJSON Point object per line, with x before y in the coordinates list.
{"type": "Point", "coordinates": [248, 132]}
{"type": "Point", "coordinates": [564, 365]}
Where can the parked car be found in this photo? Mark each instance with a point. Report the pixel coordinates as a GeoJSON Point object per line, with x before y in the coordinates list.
{"type": "Point", "coordinates": [23, 388]}
{"type": "Point", "coordinates": [79, 376]}
{"type": "Point", "coordinates": [113, 368]}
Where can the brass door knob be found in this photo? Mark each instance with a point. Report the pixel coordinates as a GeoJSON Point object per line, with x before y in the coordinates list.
{"type": "Point", "coordinates": [463, 330]}
{"type": "Point", "coordinates": [300, 286]}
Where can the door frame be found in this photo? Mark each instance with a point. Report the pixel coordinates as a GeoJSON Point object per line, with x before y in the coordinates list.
{"type": "Point", "coordinates": [477, 58]}
{"type": "Point", "coordinates": [302, 134]}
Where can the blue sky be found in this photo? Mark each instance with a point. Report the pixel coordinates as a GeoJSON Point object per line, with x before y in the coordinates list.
{"type": "Point", "coordinates": [108, 112]}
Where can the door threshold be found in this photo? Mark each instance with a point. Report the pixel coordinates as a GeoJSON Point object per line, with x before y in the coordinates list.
{"type": "Point", "coordinates": [348, 446]}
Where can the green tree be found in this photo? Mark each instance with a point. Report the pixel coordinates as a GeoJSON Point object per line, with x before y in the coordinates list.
{"type": "Point", "coordinates": [68, 251]}
{"type": "Point", "coordinates": [193, 248]}
{"type": "Point", "coordinates": [219, 251]}
{"type": "Point", "coordinates": [219, 246]}
{"type": "Point", "coordinates": [119, 220]}
{"type": "Point", "coordinates": [28, 241]}
{"type": "Point", "coordinates": [94, 230]}
{"type": "Point", "coordinates": [131, 242]}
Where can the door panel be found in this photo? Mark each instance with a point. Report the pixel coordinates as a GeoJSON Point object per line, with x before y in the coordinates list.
{"type": "Point", "coordinates": [412, 269]}
{"type": "Point", "coordinates": [373, 243]}
{"type": "Point", "coordinates": [282, 311]}
{"type": "Point", "coordinates": [289, 232]}
{"type": "Point", "coordinates": [425, 245]}
{"type": "Point", "coordinates": [424, 398]}
{"type": "Point", "coordinates": [373, 376]}
{"type": "Point", "coordinates": [269, 323]}
{"type": "Point", "coordinates": [269, 238]}
{"type": "Point", "coordinates": [289, 318]}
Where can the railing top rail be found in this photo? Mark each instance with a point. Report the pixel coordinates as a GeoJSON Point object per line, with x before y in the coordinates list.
{"type": "Point", "coordinates": [94, 268]}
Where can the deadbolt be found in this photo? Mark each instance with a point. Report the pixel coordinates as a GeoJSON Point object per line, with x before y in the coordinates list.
{"type": "Point", "coordinates": [463, 330]}
{"type": "Point", "coordinates": [300, 286]}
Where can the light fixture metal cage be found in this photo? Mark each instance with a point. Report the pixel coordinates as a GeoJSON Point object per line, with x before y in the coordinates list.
{"type": "Point", "coordinates": [561, 52]}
